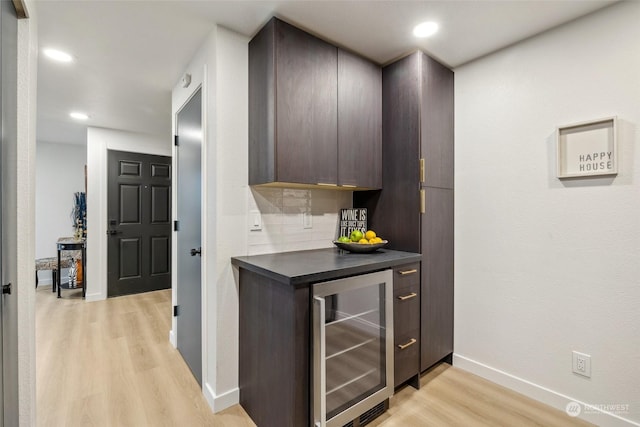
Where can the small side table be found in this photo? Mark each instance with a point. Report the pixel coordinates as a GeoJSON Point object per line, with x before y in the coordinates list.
{"type": "Point", "coordinates": [71, 244]}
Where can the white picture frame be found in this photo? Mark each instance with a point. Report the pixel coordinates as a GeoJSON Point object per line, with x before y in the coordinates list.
{"type": "Point", "coordinates": [587, 149]}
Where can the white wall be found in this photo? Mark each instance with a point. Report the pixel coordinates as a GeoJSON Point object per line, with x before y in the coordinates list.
{"type": "Point", "coordinates": [99, 141]}
{"type": "Point", "coordinates": [59, 174]}
{"type": "Point", "coordinates": [544, 266]}
{"type": "Point", "coordinates": [221, 67]}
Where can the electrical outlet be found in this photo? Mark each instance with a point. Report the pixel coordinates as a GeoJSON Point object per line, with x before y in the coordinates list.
{"type": "Point", "coordinates": [582, 364]}
{"type": "Point", "coordinates": [307, 220]}
{"type": "Point", "coordinates": [255, 220]}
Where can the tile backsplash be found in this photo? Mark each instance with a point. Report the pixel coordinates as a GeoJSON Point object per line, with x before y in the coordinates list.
{"type": "Point", "coordinates": [282, 212]}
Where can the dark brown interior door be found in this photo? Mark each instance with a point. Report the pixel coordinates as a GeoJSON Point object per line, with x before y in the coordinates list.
{"type": "Point", "coordinates": [139, 228]}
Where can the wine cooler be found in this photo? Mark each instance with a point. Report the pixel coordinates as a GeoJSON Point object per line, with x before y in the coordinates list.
{"type": "Point", "coordinates": [352, 348]}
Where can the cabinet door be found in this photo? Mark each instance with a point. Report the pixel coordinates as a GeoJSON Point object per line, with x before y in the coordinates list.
{"type": "Point", "coordinates": [306, 107]}
{"type": "Point", "coordinates": [262, 110]}
{"type": "Point", "coordinates": [359, 122]}
{"type": "Point", "coordinates": [437, 277]}
{"type": "Point", "coordinates": [436, 113]}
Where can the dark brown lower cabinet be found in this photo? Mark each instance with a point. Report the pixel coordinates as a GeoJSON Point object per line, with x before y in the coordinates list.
{"type": "Point", "coordinates": [274, 351]}
{"type": "Point", "coordinates": [280, 300]}
{"type": "Point", "coordinates": [406, 324]}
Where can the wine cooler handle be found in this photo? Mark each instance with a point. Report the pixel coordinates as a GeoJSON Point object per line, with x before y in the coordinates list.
{"type": "Point", "coordinates": [320, 373]}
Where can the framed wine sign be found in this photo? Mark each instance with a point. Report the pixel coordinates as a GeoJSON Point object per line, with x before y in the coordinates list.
{"type": "Point", "coordinates": [588, 149]}
{"type": "Point", "coordinates": [352, 219]}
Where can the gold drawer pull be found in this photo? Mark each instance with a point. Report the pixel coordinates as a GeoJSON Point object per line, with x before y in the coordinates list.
{"type": "Point", "coordinates": [406, 297]}
{"type": "Point", "coordinates": [326, 184]}
{"type": "Point", "coordinates": [408, 272]}
{"type": "Point", "coordinates": [411, 342]}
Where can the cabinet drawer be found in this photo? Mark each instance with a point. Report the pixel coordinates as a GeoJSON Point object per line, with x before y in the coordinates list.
{"type": "Point", "coordinates": [406, 309]}
{"type": "Point", "coordinates": [406, 356]}
{"type": "Point", "coordinates": [406, 275]}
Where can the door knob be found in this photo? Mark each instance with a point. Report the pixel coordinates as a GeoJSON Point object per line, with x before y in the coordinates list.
{"type": "Point", "coordinates": [195, 251]}
{"type": "Point", "coordinates": [112, 232]}
{"type": "Point", "coordinates": [6, 289]}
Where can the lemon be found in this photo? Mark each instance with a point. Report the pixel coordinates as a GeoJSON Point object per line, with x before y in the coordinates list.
{"type": "Point", "coordinates": [369, 235]}
{"type": "Point", "coordinates": [377, 240]}
{"type": "Point", "coordinates": [363, 241]}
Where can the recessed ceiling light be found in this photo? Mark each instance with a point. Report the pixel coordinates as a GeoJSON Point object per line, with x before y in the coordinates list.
{"type": "Point", "coordinates": [58, 55]}
{"type": "Point", "coordinates": [79, 116]}
{"type": "Point", "coordinates": [425, 29]}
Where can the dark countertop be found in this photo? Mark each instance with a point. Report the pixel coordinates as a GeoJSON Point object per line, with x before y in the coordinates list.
{"type": "Point", "coordinates": [303, 267]}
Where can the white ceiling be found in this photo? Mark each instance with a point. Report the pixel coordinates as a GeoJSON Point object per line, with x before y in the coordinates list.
{"type": "Point", "coordinates": [130, 54]}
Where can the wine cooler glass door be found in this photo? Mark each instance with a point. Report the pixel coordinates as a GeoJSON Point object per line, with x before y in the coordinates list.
{"type": "Point", "coordinates": [353, 330]}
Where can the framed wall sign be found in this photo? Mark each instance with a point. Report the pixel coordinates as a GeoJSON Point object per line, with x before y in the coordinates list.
{"type": "Point", "coordinates": [352, 219]}
{"type": "Point", "coordinates": [588, 149]}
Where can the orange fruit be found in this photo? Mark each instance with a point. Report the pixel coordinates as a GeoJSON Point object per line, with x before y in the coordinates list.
{"type": "Point", "coordinates": [370, 235]}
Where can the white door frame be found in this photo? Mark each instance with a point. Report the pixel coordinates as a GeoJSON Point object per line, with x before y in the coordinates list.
{"type": "Point", "coordinates": [180, 97]}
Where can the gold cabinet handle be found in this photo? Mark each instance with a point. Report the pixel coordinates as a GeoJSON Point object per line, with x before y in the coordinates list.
{"type": "Point", "coordinates": [422, 170]}
{"type": "Point", "coordinates": [326, 184]}
{"type": "Point", "coordinates": [423, 202]}
{"type": "Point", "coordinates": [408, 271]}
{"type": "Point", "coordinates": [406, 297]}
{"type": "Point", "coordinates": [411, 342]}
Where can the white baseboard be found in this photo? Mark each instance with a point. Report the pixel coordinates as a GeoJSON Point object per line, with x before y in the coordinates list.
{"type": "Point", "coordinates": [172, 339]}
{"type": "Point", "coordinates": [94, 297]}
{"type": "Point", "coordinates": [540, 393]}
{"type": "Point", "coordinates": [222, 401]}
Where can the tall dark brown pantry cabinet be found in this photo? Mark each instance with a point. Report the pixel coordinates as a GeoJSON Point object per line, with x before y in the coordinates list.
{"type": "Point", "coordinates": [414, 210]}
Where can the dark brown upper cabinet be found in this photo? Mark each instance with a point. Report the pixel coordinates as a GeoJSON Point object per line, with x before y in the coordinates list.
{"type": "Point", "coordinates": [293, 103]}
{"type": "Point", "coordinates": [309, 112]}
{"type": "Point", "coordinates": [436, 145]}
{"type": "Point", "coordinates": [359, 122]}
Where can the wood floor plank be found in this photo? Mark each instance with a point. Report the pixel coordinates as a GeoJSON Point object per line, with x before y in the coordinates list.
{"type": "Point", "coordinates": [449, 396]}
{"type": "Point", "coordinates": [110, 363]}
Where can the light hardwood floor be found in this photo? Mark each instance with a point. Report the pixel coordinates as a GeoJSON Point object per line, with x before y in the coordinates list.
{"type": "Point", "coordinates": [110, 363]}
